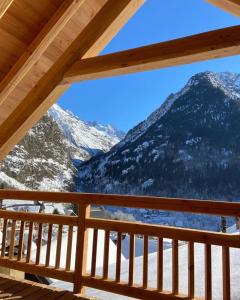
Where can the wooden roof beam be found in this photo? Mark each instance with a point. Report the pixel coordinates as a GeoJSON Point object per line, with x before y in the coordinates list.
{"type": "Point", "coordinates": [38, 46]}
{"type": "Point", "coordinates": [4, 5]}
{"type": "Point", "coordinates": [90, 42]}
{"type": "Point", "coordinates": [204, 46]}
{"type": "Point", "coordinates": [231, 6]}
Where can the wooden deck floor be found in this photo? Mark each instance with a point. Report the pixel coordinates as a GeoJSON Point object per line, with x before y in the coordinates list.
{"type": "Point", "coordinates": [11, 289]}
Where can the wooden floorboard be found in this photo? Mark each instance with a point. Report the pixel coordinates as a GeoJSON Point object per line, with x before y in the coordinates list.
{"type": "Point", "coordinates": [11, 289]}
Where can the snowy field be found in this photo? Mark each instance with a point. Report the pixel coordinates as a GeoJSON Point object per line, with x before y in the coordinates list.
{"type": "Point", "coordinates": [199, 273]}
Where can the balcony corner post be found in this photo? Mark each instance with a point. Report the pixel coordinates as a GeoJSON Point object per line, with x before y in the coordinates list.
{"type": "Point", "coordinates": [82, 246]}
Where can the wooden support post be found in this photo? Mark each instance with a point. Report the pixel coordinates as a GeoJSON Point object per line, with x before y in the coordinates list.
{"type": "Point", "coordinates": [82, 246]}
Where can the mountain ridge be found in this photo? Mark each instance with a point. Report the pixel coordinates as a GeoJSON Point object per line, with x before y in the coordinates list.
{"type": "Point", "coordinates": [209, 98]}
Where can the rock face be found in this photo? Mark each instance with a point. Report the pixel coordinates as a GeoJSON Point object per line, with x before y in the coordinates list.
{"type": "Point", "coordinates": [189, 147]}
{"type": "Point", "coordinates": [45, 159]}
{"type": "Point", "coordinates": [41, 161]}
{"type": "Point", "coordinates": [87, 139]}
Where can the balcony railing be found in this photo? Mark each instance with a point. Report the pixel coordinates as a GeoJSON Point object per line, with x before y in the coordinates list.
{"type": "Point", "coordinates": [43, 224]}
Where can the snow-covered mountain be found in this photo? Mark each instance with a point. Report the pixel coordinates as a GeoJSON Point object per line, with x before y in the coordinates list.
{"type": "Point", "coordinates": [45, 159]}
{"type": "Point", "coordinates": [189, 147]}
{"type": "Point", "coordinates": [87, 138]}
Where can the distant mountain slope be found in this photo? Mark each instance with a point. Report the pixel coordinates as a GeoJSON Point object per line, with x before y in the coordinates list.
{"type": "Point", "coordinates": [40, 161]}
{"type": "Point", "coordinates": [44, 158]}
{"type": "Point", "coordinates": [189, 147]}
{"type": "Point", "coordinates": [87, 138]}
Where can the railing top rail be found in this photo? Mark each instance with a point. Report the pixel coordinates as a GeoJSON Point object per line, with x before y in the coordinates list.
{"type": "Point", "coordinates": [148, 202]}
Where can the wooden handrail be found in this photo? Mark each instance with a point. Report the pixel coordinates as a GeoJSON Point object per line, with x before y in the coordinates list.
{"type": "Point", "coordinates": [149, 202]}
{"type": "Point", "coordinates": [80, 277]}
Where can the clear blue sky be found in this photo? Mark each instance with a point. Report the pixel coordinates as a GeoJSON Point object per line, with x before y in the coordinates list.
{"type": "Point", "coordinates": [126, 100]}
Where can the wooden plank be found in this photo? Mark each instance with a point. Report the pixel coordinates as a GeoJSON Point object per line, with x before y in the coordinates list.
{"type": "Point", "coordinates": [59, 247]}
{"type": "Point", "coordinates": [94, 252]}
{"type": "Point", "coordinates": [20, 243]}
{"type": "Point", "coordinates": [170, 204]}
{"type": "Point", "coordinates": [38, 46]}
{"type": "Point", "coordinates": [4, 5]}
{"type": "Point", "coordinates": [106, 254]}
{"type": "Point", "coordinates": [204, 46]}
{"type": "Point", "coordinates": [191, 287]}
{"type": "Point", "coordinates": [208, 272]}
{"type": "Point", "coordinates": [49, 243]}
{"type": "Point", "coordinates": [82, 248]}
{"type": "Point", "coordinates": [39, 243]}
{"type": "Point", "coordinates": [175, 267]}
{"type": "Point", "coordinates": [118, 258]}
{"type": "Point", "coordinates": [90, 42]}
{"type": "Point", "coordinates": [160, 265]}
{"type": "Point", "coordinates": [226, 273]}
{"type": "Point", "coordinates": [190, 235]}
{"type": "Point", "coordinates": [4, 237]}
{"type": "Point", "coordinates": [145, 262]}
{"type": "Point", "coordinates": [39, 218]}
{"type": "Point", "coordinates": [29, 245]}
{"type": "Point", "coordinates": [40, 269]}
{"type": "Point", "coordinates": [12, 240]}
{"type": "Point", "coordinates": [69, 248]}
{"type": "Point", "coordinates": [131, 260]}
{"type": "Point", "coordinates": [131, 291]}
{"type": "Point", "coordinates": [231, 6]}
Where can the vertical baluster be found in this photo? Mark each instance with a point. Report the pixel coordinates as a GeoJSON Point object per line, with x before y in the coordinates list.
{"type": "Point", "coordinates": [39, 243]}
{"type": "Point", "coordinates": [69, 248]}
{"type": "Point", "coordinates": [82, 248]}
{"type": "Point", "coordinates": [4, 237]}
{"type": "Point", "coordinates": [20, 243]}
{"type": "Point", "coordinates": [191, 270]}
{"type": "Point", "coordinates": [175, 267]}
{"type": "Point", "coordinates": [145, 262]}
{"type": "Point", "coordinates": [30, 238]}
{"type": "Point", "coordinates": [12, 239]}
{"type": "Point", "coordinates": [208, 272]}
{"type": "Point", "coordinates": [226, 273]}
{"type": "Point", "coordinates": [160, 265]}
{"type": "Point", "coordinates": [106, 255]}
{"type": "Point", "coordinates": [94, 253]}
{"type": "Point", "coordinates": [118, 258]}
{"type": "Point", "coordinates": [131, 259]}
{"type": "Point", "coordinates": [49, 242]}
{"type": "Point", "coordinates": [59, 246]}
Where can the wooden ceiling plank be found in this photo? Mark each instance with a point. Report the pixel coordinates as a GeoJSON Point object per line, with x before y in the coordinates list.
{"type": "Point", "coordinates": [231, 6]}
{"type": "Point", "coordinates": [4, 5]}
{"type": "Point", "coordinates": [200, 47]}
{"type": "Point", "coordinates": [38, 47]}
{"type": "Point", "coordinates": [91, 41]}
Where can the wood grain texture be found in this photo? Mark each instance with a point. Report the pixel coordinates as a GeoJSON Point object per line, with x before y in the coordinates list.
{"type": "Point", "coordinates": [20, 244]}
{"type": "Point", "coordinates": [231, 6]}
{"type": "Point", "coordinates": [4, 5]}
{"type": "Point", "coordinates": [170, 204]}
{"type": "Point", "coordinates": [38, 46]}
{"type": "Point", "coordinates": [82, 248]}
{"type": "Point", "coordinates": [175, 267]}
{"type": "Point", "coordinates": [135, 291]}
{"type": "Point", "coordinates": [131, 260]}
{"type": "Point", "coordinates": [183, 234]}
{"type": "Point", "coordinates": [199, 47]}
{"type": "Point", "coordinates": [118, 258]}
{"type": "Point", "coordinates": [160, 265]}
{"type": "Point", "coordinates": [93, 38]}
